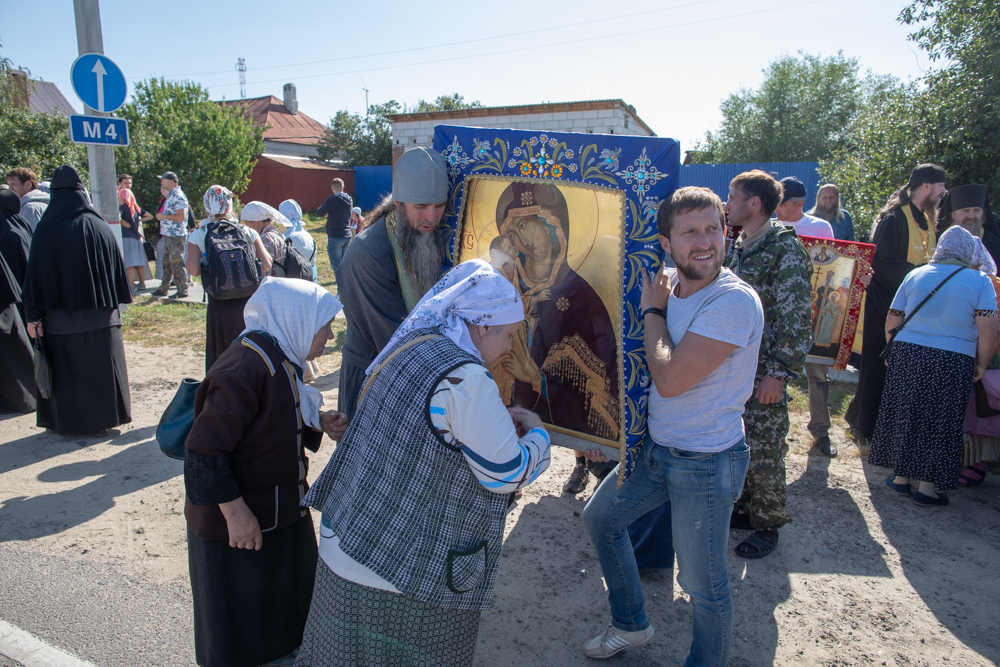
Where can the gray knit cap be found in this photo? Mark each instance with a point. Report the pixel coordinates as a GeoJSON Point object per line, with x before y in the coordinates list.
{"type": "Point", "coordinates": [420, 177]}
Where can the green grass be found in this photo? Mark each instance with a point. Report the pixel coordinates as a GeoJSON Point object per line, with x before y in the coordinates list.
{"type": "Point", "coordinates": [841, 394]}
{"type": "Point", "coordinates": [153, 322]}
{"type": "Point", "coordinates": [316, 226]}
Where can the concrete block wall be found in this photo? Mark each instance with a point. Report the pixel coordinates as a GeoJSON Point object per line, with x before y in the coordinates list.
{"type": "Point", "coordinates": [414, 133]}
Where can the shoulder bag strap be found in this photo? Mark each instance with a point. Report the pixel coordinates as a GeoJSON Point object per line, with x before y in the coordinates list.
{"type": "Point", "coordinates": [888, 345]}
{"type": "Point", "coordinates": [378, 368]}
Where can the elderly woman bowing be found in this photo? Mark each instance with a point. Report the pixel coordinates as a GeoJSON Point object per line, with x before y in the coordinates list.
{"type": "Point", "coordinates": [415, 495]}
{"type": "Point", "coordinates": [251, 547]}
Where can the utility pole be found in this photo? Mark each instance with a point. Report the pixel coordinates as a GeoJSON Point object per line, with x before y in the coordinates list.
{"type": "Point", "coordinates": [103, 179]}
{"type": "Point", "coordinates": [241, 67]}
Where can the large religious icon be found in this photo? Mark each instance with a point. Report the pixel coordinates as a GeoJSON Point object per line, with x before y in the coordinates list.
{"type": "Point", "coordinates": [560, 244]}
{"type": "Point", "coordinates": [835, 297]}
{"type": "Point", "coordinates": [570, 219]}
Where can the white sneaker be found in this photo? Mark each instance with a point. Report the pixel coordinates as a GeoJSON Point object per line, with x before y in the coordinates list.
{"type": "Point", "coordinates": [613, 641]}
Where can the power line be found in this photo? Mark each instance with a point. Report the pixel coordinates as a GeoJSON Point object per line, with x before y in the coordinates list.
{"type": "Point", "coordinates": [468, 41]}
{"type": "Point", "coordinates": [540, 46]}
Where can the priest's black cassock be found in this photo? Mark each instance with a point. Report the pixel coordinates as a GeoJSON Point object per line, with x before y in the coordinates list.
{"type": "Point", "coordinates": [75, 281]}
{"type": "Point", "coordinates": [894, 258]}
{"type": "Point", "coordinates": [17, 371]}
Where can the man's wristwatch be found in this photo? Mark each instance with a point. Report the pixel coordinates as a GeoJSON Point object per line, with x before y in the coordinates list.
{"type": "Point", "coordinates": [656, 311]}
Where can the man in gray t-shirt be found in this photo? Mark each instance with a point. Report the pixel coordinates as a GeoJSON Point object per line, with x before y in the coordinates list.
{"type": "Point", "coordinates": [702, 332]}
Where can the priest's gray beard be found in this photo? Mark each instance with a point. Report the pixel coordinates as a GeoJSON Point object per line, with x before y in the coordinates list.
{"type": "Point", "coordinates": [423, 253]}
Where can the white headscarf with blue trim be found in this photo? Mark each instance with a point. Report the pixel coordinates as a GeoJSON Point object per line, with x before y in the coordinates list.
{"type": "Point", "coordinates": [291, 210]}
{"type": "Point", "coordinates": [474, 293]}
{"type": "Point", "coordinates": [292, 312]}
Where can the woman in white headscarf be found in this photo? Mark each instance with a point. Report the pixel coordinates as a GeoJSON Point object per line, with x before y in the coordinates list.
{"type": "Point", "coordinates": [301, 239]}
{"type": "Point", "coordinates": [224, 317]}
{"type": "Point", "coordinates": [935, 357]}
{"type": "Point", "coordinates": [251, 546]}
{"type": "Point", "coordinates": [414, 497]}
{"type": "Point", "coordinates": [262, 218]}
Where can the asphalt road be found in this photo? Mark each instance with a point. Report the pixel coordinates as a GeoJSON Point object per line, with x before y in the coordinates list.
{"type": "Point", "coordinates": [94, 611]}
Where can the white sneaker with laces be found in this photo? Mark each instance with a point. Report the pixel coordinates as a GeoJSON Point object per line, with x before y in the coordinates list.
{"type": "Point", "coordinates": [613, 641]}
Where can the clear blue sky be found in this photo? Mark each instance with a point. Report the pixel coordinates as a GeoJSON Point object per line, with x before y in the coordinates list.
{"type": "Point", "coordinates": [673, 60]}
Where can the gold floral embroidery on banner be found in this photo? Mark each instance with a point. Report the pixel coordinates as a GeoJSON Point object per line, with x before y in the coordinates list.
{"type": "Point", "coordinates": [572, 360]}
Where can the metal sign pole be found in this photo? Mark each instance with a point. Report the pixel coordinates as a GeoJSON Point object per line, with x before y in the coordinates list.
{"type": "Point", "coordinates": [103, 178]}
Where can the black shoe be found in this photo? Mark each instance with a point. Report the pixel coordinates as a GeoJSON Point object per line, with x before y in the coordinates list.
{"type": "Point", "coordinates": [577, 481]}
{"type": "Point", "coordinates": [826, 446]}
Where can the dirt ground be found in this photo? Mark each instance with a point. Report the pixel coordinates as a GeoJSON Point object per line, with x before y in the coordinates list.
{"type": "Point", "coordinates": [861, 577]}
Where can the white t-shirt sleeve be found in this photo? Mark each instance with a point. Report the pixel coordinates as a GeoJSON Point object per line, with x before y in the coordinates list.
{"type": "Point", "coordinates": [197, 237]}
{"type": "Point", "coordinates": [725, 318]}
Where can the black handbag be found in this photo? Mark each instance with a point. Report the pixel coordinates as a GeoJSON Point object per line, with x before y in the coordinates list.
{"type": "Point", "coordinates": [177, 419]}
{"type": "Point", "coordinates": [150, 251]}
{"type": "Point", "coordinates": [43, 372]}
{"type": "Point", "coordinates": [895, 332]}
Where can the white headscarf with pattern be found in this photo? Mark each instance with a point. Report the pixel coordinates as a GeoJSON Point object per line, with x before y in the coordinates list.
{"type": "Point", "coordinates": [473, 292]}
{"type": "Point", "coordinates": [292, 312]}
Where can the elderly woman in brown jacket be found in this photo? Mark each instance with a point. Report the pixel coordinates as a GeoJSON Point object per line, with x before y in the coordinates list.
{"type": "Point", "coordinates": [251, 547]}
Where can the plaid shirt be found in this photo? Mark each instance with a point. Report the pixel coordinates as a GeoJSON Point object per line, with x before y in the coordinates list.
{"type": "Point", "coordinates": [176, 202]}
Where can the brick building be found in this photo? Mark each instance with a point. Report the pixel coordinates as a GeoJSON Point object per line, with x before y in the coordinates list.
{"type": "Point", "coordinates": [410, 130]}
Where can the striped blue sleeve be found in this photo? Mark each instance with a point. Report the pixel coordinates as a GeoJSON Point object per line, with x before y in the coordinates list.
{"type": "Point", "coordinates": [468, 413]}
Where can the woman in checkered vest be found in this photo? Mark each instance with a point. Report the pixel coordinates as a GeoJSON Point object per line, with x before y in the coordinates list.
{"type": "Point", "coordinates": [414, 498]}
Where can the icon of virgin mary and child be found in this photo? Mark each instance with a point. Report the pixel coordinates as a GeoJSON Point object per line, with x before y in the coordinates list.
{"type": "Point", "coordinates": [564, 363]}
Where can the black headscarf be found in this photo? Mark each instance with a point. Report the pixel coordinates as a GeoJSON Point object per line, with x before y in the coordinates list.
{"type": "Point", "coordinates": [75, 263]}
{"type": "Point", "coordinates": [15, 235]}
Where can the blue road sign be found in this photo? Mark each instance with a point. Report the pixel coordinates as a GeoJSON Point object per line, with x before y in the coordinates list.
{"type": "Point", "coordinates": [98, 130]}
{"type": "Point", "coordinates": [98, 82]}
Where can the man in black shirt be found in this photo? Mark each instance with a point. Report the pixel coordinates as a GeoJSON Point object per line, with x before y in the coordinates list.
{"type": "Point", "coordinates": [337, 209]}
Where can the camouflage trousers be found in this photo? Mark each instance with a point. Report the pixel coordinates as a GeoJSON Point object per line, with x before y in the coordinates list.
{"type": "Point", "coordinates": [173, 264]}
{"type": "Point", "coordinates": [764, 491]}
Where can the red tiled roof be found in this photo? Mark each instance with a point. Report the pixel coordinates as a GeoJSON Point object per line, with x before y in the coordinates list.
{"type": "Point", "coordinates": [285, 127]}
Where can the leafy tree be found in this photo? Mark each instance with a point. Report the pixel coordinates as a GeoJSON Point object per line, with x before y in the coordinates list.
{"type": "Point", "coordinates": [175, 127]}
{"type": "Point", "coordinates": [452, 102]}
{"type": "Point", "coordinates": [951, 116]}
{"type": "Point", "coordinates": [963, 97]}
{"type": "Point", "coordinates": [801, 112]}
{"type": "Point", "coordinates": [360, 141]}
{"type": "Point", "coordinates": [882, 146]}
{"type": "Point", "coordinates": [37, 141]}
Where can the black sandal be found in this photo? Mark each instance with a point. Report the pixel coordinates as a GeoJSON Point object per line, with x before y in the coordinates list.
{"type": "Point", "coordinates": [759, 544]}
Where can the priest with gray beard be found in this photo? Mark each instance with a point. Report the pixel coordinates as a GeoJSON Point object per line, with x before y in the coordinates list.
{"type": "Point", "coordinates": [389, 266]}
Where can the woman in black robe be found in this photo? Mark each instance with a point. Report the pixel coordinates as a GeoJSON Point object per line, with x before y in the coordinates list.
{"type": "Point", "coordinates": [17, 372]}
{"type": "Point", "coordinates": [15, 235]}
{"type": "Point", "coordinates": [74, 283]}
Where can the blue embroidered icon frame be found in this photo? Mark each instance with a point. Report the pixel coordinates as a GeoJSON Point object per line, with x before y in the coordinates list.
{"type": "Point", "coordinates": [645, 169]}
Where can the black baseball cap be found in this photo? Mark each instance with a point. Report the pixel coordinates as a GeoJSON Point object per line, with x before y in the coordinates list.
{"type": "Point", "coordinates": [793, 188]}
{"type": "Point", "coordinates": [169, 175]}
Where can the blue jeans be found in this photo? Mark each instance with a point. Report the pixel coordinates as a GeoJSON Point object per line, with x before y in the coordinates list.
{"type": "Point", "coordinates": [702, 489]}
{"type": "Point", "coordinates": [335, 249]}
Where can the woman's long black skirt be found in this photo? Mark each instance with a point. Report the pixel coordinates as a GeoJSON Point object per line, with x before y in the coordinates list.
{"type": "Point", "coordinates": [17, 368]}
{"type": "Point", "coordinates": [250, 607]}
{"type": "Point", "coordinates": [89, 382]}
{"type": "Point", "coordinates": [919, 429]}
{"type": "Point", "coordinates": [223, 323]}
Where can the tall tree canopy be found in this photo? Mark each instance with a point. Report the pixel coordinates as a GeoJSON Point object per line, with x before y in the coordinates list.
{"type": "Point", "coordinates": [951, 116]}
{"type": "Point", "coordinates": [800, 112]}
{"type": "Point", "coordinates": [175, 127]}
{"type": "Point", "coordinates": [451, 102]}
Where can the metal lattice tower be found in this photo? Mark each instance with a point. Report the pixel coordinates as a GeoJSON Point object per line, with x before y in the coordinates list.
{"type": "Point", "coordinates": [241, 67]}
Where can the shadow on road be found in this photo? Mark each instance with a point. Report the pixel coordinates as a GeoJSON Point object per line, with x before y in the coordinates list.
{"type": "Point", "coordinates": [137, 466]}
{"type": "Point", "coordinates": [954, 576]}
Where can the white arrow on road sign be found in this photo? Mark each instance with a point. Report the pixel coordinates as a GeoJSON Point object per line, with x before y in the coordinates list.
{"type": "Point", "coordinates": [100, 72]}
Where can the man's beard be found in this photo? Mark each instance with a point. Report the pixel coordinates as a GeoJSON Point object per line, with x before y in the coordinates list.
{"type": "Point", "coordinates": [692, 272]}
{"type": "Point", "coordinates": [829, 214]}
{"type": "Point", "coordinates": [424, 253]}
{"type": "Point", "coordinates": [929, 210]}
{"type": "Point", "coordinates": [974, 227]}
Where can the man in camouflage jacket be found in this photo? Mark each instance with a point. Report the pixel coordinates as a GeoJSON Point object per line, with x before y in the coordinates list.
{"type": "Point", "coordinates": [770, 257]}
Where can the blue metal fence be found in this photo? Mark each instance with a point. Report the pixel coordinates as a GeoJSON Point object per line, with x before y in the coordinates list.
{"type": "Point", "coordinates": [371, 185]}
{"type": "Point", "coordinates": [716, 177]}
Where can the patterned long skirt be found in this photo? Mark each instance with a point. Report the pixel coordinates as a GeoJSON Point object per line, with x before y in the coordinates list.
{"type": "Point", "coordinates": [919, 428]}
{"type": "Point", "coordinates": [351, 625]}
